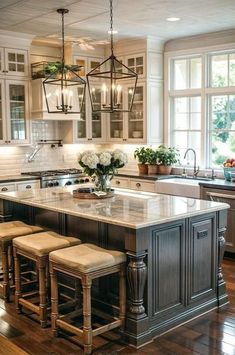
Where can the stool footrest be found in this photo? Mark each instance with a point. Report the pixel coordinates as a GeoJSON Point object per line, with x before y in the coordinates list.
{"type": "Point", "coordinates": [29, 305]}
{"type": "Point", "coordinates": [107, 327]}
{"type": "Point", "coordinates": [69, 327]}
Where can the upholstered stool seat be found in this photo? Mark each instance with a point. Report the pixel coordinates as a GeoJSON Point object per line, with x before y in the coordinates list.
{"type": "Point", "coordinates": [36, 247]}
{"type": "Point", "coordinates": [86, 262]}
{"type": "Point", "coordinates": [8, 231]}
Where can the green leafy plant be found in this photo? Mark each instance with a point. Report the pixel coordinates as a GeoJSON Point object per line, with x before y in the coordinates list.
{"type": "Point", "coordinates": [142, 155]}
{"type": "Point", "coordinates": [54, 67]}
{"type": "Point", "coordinates": [152, 156]}
{"type": "Point", "coordinates": [167, 156]}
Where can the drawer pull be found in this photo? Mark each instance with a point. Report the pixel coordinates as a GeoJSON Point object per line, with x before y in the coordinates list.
{"type": "Point", "coordinates": [4, 189]}
{"type": "Point", "coordinates": [28, 186]}
{"type": "Point", "coordinates": [117, 182]}
{"type": "Point", "coordinates": [138, 184]}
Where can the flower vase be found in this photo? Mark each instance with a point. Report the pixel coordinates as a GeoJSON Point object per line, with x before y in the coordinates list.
{"type": "Point", "coordinates": [103, 182]}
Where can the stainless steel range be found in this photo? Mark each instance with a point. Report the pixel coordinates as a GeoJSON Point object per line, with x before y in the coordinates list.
{"type": "Point", "coordinates": [61, 177]}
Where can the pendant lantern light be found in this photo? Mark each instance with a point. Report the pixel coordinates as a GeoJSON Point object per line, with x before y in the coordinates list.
{"type": "Point", "coordinates": [64, 89]}
{"type": "Point", "coordinates": [106, 82]}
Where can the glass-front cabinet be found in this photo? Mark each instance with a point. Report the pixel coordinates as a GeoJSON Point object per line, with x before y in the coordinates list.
{"type": "Point", "coordinates": [129, 126]}
{"type": "Point", "coordinates": [2, 113]}
{"type": "Point", "coordinates": [16, 111]}
{"type": "Point", "coordinates": [137, 64]}
{"type": "Point", "coordinates": [90, 127]}
{"type": "Point", "coordinates": [13, 112]}
{"type": "Point", "coordinates": [13, 62]}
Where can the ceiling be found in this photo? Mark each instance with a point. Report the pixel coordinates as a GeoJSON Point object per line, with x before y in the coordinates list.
{"type": "Point", "coordinates": [89, 19]}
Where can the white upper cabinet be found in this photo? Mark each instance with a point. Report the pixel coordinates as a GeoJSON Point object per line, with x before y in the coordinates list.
{"type": "Point", "coordinates": [14, 88]}
{"type": "Point", "coordinates": [91, 126]}
{"type": "Point", "coordinates": [15, 62]}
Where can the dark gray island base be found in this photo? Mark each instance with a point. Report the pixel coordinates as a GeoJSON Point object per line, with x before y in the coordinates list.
{"type": "Point", "coordinates": [174, 265]}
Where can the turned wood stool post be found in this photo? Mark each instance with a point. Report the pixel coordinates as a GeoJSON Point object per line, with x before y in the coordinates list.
{"type": "Point", "coordinates": [86, 262]}
{"type": "Point", "coordinates": [36, 248]}
{"type": "Point", "coordinates": [9, 231]}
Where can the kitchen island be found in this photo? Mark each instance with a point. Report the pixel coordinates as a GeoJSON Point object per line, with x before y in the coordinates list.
{"type": "Point", "coordinates": [174, 249]}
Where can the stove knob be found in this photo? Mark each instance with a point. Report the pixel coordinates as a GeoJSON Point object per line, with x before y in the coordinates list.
{"type": "Point", "coordinates": [50, 184]}
{"type": "Point", "coordinates": [82, 181]}
{"type": "Point", "coordinates": [87, 180]}
{"type": "Point", "coordinates": [76, 181]}
{"type": "Point", "coordinates": [56, 183]}
{"type": "Point", "coordinates": [68, 183]}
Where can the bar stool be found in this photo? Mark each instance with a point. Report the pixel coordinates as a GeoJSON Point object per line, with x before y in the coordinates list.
{"type": "Point", "coordinates": [9, 231]}
{"type": "Point", "coordinates": [36, 247]}
{"type": "Point", "coordinates": [86, 262]}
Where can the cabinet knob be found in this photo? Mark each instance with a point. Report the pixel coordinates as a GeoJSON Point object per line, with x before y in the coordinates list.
{"type": "Point", "coordinates": [117, 182]}
{"type": "Point", "coordinates": [28, 186]}
{"type": "Point", "coordinates": [138, 184]}
{"type": "Point", "coordinates": [4, 71]}
{"type": "Point", "coordinates": [4, 189]}
{"type": "Point", "coordinates": [124, 139]}
{"type": "Point", "coordinates": [7, 142]}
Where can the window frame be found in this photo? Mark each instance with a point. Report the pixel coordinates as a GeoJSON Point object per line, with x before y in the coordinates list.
{"type": "Point", "coordinates": [205, 92]}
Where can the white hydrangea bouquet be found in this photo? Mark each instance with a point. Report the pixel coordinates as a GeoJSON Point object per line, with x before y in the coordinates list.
{"type": "Point", "coordinates": [103, 165]}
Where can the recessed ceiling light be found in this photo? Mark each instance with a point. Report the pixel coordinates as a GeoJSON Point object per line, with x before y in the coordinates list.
{"type": "Point", "coordinates": [114, 32]}
{"type": "Point", "coordinates": [173, 19]}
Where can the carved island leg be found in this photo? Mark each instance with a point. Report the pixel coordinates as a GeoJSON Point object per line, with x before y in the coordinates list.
{"type": "Point", "coordinates": [221, 292]}
{"type": "Point", "coordinates": [137, 275]}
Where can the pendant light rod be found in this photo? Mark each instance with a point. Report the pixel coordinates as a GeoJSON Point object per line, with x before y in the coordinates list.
{"type": "Point", "coordinates": [62, 12]}
{"type": "Point", "coordinates": [111, 25]}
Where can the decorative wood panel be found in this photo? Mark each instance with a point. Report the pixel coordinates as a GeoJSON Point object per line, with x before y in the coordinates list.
{"type": "Point", "coordinates": [168, 268]}
{"type": "Point", "coordinates": [202, 276]}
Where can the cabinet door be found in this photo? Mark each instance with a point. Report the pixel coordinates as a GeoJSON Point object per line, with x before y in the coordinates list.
{"type": "Point", "coordinates": [202, 263]}
{"type": "Point", "coordinates": [16, 62]}
{"type": "Point", "coordinates": [116, 127]}
{"type": "Point", "coordinates": [2, 112]}
{"type": "Point", "coordinates": [7, 187]}
{"type": "Point", "coordinates": [224, 196]}
{"type": "Point", "coordinates": [137, 64]}
{"type": "Point", "coordinates": [142, 185]}
{"type": "Point", "coordinates": [136, 117]}
{"type": "Point", "coordinates": [29, 185]}
{"type": "Point", "coordinates": [17, 111]}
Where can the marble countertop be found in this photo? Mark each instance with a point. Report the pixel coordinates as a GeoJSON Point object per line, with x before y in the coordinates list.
{"type": "Point", "coordinates": [128, 208]}
{"type": "Point", "coordinates": [11, 178]}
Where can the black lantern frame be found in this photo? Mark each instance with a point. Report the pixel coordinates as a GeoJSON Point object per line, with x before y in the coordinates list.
{"type": "Point", "coordinates": [105, 82]}
{"type": "Point", "coordinates": [64, 89]}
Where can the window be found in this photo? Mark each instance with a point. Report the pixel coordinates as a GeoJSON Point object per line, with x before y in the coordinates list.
{"type": "Point", "coordinates": [187, 124]}
{"type": "Point", "coordinates": [202, 106]}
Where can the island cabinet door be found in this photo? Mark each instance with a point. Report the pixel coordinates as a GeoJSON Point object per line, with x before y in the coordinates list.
{"type": "Point", "coordinates": [167, 271]}
{"type": "Point", "coordinates": [202, 259]}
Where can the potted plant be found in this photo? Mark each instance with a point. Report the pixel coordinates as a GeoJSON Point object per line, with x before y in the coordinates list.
{"type": "Point", "coordinates": [152, 161]}
{"type": "Point", "coordinates": [166, 158]}
{"type": "Point", "coordinates": [142, 155]}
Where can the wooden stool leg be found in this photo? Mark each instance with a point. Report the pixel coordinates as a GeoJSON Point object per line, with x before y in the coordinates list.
{"type": "Point", "coordinates": [122, 295]}
{"type": "Point", "coordinates": [54, 301]}
{"type": "Point", "coordinates": [5, 270]}
{"type": "Point", "coordinates": [42, 296]}
{"type": "Point", "coordinates": [17, 281]}
{"type": "Point", "coordinates": [87, 329]}
{"type": "Point", "coordinates": [11, 264]}
{"type": "Point", "coordinates": [78, 293]}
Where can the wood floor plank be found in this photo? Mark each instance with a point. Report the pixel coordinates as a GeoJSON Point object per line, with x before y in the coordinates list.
{"type": "Point", "coordinates": [9, 348]}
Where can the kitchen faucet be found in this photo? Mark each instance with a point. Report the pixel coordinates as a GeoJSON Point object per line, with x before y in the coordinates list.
{"type": "Point", "coordinates": [195, 169]}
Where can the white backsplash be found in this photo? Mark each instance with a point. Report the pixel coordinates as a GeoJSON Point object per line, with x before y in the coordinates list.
{"type": "Point", "coordinates": [14, 159]}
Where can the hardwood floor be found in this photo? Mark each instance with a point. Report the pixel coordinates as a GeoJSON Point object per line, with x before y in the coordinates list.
{"type": "Point", "coordinates": [213, 333]}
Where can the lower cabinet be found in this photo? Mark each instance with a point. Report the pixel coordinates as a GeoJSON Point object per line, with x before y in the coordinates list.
{"type": "Point", "coordinates": [134, 184]}
{"type": "Point", "coordinates": [20, 185]}
{"type": "Point", "coordinates": [184, 261]}
{"type": "Point", "coordinates": [226, 196]}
